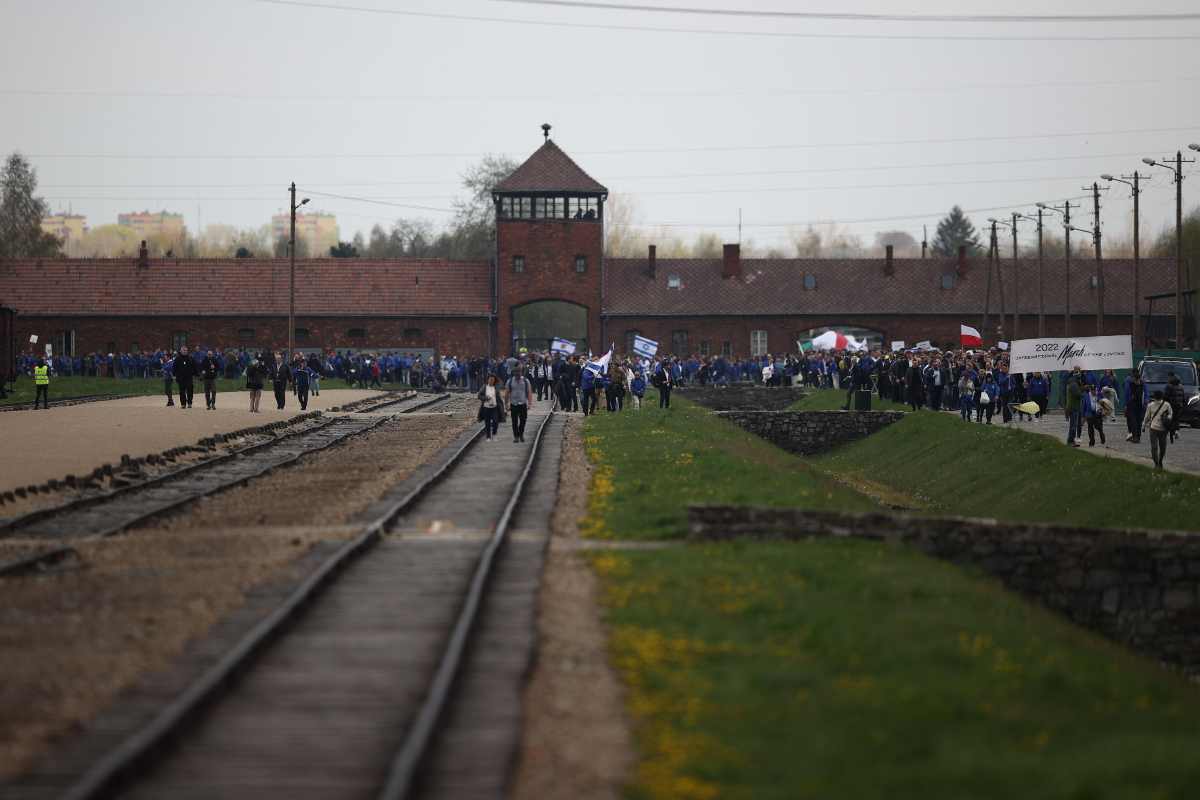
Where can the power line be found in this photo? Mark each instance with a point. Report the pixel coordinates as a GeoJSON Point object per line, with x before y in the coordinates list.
{"type": "Point", "coordinates": [651, 95]}
{"type": "Point", "coordinates": [664, 176]}
{"type": "Point", "coordinates": [851, 17]}
{"type": "Point", "coordinates": [379, 202]}
{"type": "Point", "coordinates": [718, 32]}
{"type": "Point", "coordinates": [638, 150]}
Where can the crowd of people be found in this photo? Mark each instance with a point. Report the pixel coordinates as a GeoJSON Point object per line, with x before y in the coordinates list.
{"type": "Point", "coordinates": [977, 384]}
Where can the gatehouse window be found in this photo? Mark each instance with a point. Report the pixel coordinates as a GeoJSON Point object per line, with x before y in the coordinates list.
{"type": "Point", "coordinates": [679, 343]}
{"type": "Point", "coordinates": [357, 333]}
{"type": "Point", "coordinates": [581, 264]}
{"type": "Point", "coordinates": [705, 347]}
{"type": "Point", "coordinates": [758, 343]}
{"type": "Point", "coordinates": [179, 340]}
{"type": "Point", "coordinates": [518, 263]}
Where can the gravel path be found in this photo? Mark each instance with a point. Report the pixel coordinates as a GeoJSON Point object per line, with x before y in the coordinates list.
{"type": "Point", "coordinates": [74, 640]}
{"type": "Point", "coordinates": [576, 741]}
{"type": "Point", "coordinates": [76, 439]}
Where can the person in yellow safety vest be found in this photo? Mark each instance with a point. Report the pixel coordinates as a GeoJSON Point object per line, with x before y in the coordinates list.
{"type": "Point", "coordinates": [41, 380]}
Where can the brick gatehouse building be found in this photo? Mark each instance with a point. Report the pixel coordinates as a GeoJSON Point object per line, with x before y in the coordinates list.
{"type": "Point", "coordinates": [550, 277]}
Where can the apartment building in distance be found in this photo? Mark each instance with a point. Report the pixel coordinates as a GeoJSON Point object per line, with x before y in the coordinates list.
{"type": "Point", "coordinates": [161, 225]}
{"type": "Point", "coordinates": [66, 226]}
{"type": "Point", "coordinates": [318, 231]}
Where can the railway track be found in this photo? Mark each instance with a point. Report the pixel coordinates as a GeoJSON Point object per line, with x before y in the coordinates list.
{"type": "Point", "coordinates": [358, 683]}
{"type": "Point", "coordinates": [66, 401]}
{"type": "Point", "coordinates": [117, 510]}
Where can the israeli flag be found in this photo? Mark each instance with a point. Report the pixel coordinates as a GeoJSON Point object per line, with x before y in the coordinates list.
{"type": "Point", "coordinates": [600, 365]}
{"type": "Point", "coordinates": [646, 348]}
{"type": "Point", "coordinates": [564, 346]}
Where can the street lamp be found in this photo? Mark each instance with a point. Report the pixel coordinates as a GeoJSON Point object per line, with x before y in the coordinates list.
{"type": "Point", "coordinates": [1177, 171]}
{"type": "Point", "coordinates": [292, 274]}
{"type": "Point", "coordinates": [1134, 182]}
{"type": "Point", "coordinates": [1041, 270]}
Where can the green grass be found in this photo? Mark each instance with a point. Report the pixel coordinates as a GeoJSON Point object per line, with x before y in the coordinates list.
{"type": "Point", "coordinates": [950, 467]}
{"type": "Point", "coordinates": [857, 670]}
{"type": "Point", "coordinates": [63, 388]}
{"type": "Point", "coordinates": [659, 462]}
{"type": "Point", "coordinates": [853, 669]}
{"type": "Point", "coordinates": [834, 399]}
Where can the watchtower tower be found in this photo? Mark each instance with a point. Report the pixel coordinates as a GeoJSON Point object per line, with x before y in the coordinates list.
{"type": "Point", "coordinates": [549, 253]}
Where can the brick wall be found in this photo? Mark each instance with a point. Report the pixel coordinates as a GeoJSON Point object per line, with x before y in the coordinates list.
{"type": "Point", "coordinates": [811, 432]}
{"type": "Point", "coordinates": [1141, 588]}
{"type": "Point", "coordinates": [741, 397]}
{"type": "Point", "coordinates": [782, 331]}
{"type": "Point", "coordinates": [465, 336]}
{"type": "Point", "coordinates": [549, 249]}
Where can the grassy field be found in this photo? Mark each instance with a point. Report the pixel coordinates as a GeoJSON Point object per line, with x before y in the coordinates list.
{"type": "Point", "coordinates": [855, 670]}
{"type": "Point", "coordinates": [834, 399]}
{"type": "Point", "coordinates": [659, 462]}
{"type": "Point", "coordinates": [849, 669]}
{"type": "Point", "coordinates": [945, 466]}
{"type": "Point", "coordinates": [62, 388]}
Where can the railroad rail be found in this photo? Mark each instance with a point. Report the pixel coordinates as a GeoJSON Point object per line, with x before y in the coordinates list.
{"type": "Point", "coordinates": [109, 513]}
{"type": "Point", "coordinates": [67, 401]}
{"type": "Point", "coordinates": [202, 742]}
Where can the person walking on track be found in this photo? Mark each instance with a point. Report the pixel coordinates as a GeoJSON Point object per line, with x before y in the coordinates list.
{"type": "Point", "coordinates": [41, 383]}
{"type": "Point", "coordinates": [489, 407]}
{"type": "Point", "coordinates": [518, 392]}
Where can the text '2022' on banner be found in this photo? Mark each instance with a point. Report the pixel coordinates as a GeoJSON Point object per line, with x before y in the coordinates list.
{"type": "Point", "coordinates": [1054, 355]}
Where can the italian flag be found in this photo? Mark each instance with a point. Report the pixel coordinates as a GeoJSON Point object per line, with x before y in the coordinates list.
{"type": "Point", "coordinates": [969, 337]}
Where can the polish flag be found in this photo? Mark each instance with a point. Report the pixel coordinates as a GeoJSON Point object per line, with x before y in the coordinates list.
{"type": "Point", "coordinates": [969, 337]}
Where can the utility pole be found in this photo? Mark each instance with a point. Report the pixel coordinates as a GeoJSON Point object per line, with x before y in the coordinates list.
{"type": "Point", "coordinates": [1016, 314]}
{"type": "Point", "coordinates": [292, 276]}
{"type": "Point", "coordinates": [999, 278]}
{"type": "Point", "coordinates": [987, 302]}
{"type": "Point", "coordinates": [1137, 266]}
{"type": "Point", "coordinates": [1095, 190]}
{"type": "Point", "coordinates": [1067, 314]}
{"type": "Point", "coordinates": [1041, 281]}
{"type": "Point", "coordinates": [1177, 169]}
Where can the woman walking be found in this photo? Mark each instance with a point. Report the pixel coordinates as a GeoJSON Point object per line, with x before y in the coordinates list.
{"type": "Point", "coordinates": [254, 382]}
{"type": "Point", "coordinates": [489, 407]}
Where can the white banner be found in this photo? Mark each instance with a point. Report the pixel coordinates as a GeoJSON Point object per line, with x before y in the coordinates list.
{"type": "Point", "coordinates": [897, 346]}
{"type": "Point", "coordinates": [1055, 355]}
{"type": "Point", "coordinates": [33, 339]}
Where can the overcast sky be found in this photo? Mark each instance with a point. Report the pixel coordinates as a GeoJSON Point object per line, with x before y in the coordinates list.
{"type": "Point", "coordinates": [211, 108]}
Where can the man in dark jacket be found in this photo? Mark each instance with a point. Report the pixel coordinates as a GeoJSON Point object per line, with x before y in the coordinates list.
{"type": "Point", "coordinates": [1173, 393]}
{"type": "Point", "coordinates": [185, 372]}
{"type": "Point", "coordinates": [209, 370]}
{"type": "Point", "coordinates": [279, 381]}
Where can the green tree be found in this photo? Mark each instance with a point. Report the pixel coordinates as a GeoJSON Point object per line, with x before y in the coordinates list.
{"type": "Point", "coordinates": [21, 213]}
{"type": "Point", "coordinates": [955, 231]}
{"type": "Point", "coordinates": [343, 250]}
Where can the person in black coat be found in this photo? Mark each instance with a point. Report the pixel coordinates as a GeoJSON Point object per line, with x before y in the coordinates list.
{"type": "Point", "coordinates": [209, 370]}
{"type": "Point", "coordinates": [185, 373]}
{"type": "Point", "coordinates": [279, 380]}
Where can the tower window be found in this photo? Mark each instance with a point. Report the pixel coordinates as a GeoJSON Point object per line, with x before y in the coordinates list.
{"type": "Point", "coordinates": [518, 263]}
{"type": "Point", "coordinates": [548, 208]}
{"type": "Point", "coordinates": [581, 264]}
{"type": "Point", "coordinates": [583, 207]}
{"type": "Point", "coordinates": [516, 207]}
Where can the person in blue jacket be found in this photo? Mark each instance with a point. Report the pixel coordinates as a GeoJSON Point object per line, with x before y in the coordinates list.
{"type": "Point", "coordinates": [992, 390]}
{"type": "Point", "coordinates": [1136, 398]}
{"type": "Point", "coordinates": [587, 383]}
{"type": "Point", "coordinates": [637, 388]}
{"type": "Point", "coordinates": [1039, 391]}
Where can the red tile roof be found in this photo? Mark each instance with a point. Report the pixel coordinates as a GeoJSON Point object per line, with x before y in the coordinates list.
{"type": "Point", "coordinates": [860, 286]}
{"type": "Point", "coordinates": [246, 286]}
{"type": "Point", "coordinates": [549, 169]}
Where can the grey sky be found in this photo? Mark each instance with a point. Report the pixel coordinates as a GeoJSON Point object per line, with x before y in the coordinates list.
{"type": "Point", "coordinates": [331, 98]}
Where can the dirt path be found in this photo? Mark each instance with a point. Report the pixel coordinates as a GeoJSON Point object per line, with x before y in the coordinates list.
{"type": "Point", "coordinates": [74, 640]}
{"type": "Point", "coordinates": [76, 439]}
{"type": "Point", "coordinates": [576, 741]}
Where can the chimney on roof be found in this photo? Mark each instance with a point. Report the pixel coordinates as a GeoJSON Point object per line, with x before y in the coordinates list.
{"type": "Point", "coordinates": [889, 267]}
{"type": "Point", "coordinates": [650, 259]}
{"type": "Point", "coordinates": [962, 259]}
{"type": "Point", "coordinates": [731, 267]}
{"type": "Point", "coordinates": [546, 131]}
{"type": "Point", "coordinates": [143, 255]}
